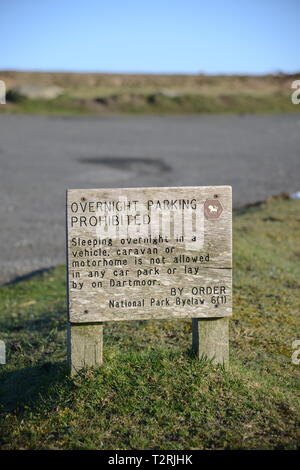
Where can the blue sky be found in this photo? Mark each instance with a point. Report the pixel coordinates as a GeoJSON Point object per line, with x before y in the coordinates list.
{"type": "Point", "coordinates": [166, 36]}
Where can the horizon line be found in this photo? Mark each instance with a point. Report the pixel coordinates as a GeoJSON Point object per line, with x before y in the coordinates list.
{"type": "Point", "coordinates": [274, 72]}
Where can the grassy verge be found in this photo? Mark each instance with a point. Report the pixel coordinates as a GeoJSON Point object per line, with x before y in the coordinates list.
{"type": "Point", "coordinates": [151, 393]}
{"type": "Point", "coordinates": [102, 94]}
{"type": "Point", "coordinates": [152, 104]}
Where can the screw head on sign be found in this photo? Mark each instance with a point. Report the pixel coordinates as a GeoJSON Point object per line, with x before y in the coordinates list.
{"type": "Point", "coordinates": [212, 208]}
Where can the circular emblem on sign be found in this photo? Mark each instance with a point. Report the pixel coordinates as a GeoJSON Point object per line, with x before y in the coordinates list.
{"type": "Point", "coordinates": [212, 208]}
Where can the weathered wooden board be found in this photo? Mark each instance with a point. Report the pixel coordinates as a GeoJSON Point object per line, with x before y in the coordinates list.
{"type": "Point", "coordinates": [120, 269]}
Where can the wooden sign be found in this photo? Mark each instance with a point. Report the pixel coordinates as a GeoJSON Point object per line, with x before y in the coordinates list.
{"type": "Point", "coordinates": [149, 253]}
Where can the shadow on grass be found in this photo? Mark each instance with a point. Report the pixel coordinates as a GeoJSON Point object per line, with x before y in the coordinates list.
{"type": "Point", "coordinates": [253, 208]}
{"type": "Point", "coordinates": [26, 386]}
{"type": "Point", "coordinates": [29, 275]}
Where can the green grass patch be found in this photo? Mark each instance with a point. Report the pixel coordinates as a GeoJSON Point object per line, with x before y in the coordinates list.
{"type": "Point", "coordinates": [143, 103]}
{"type": "Point", "coordinates": [151, 393]}
{"type": "Point", "coordinates": [102, 94]}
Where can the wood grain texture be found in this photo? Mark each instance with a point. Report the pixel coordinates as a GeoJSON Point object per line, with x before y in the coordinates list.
{"type": "Point", "coordinates": [113, 299]}
{"type": "Point", "coordinates": [84, 346]}
{"type": "Point", "coordinates": [211, 339]}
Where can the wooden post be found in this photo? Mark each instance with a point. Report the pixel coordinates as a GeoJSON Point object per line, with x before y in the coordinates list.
{"type": "Point", "coordinates": [85, 346]}
{"type": "Point", "coordinates": [210, 339]}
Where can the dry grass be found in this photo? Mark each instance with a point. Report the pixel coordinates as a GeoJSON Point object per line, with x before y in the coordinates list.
{"type": "Point", "coordinates": [95, 93]}
{"type": "Point", "coordinates": [87, 84]}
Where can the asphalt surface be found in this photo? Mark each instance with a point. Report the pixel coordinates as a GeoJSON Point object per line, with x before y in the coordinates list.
{"type": "Point", "coordinates": [42, 156]}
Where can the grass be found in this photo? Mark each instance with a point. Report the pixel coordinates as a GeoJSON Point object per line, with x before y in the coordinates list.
{"type": "Point", "coordinates": [102, 94]}
{"type": "Point", "coordinates": [151, 393]}
{"type": "Point", "coordinates": [149, 104]}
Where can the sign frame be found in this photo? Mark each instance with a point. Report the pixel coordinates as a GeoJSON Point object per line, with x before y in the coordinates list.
{"type": "Point", "coordinates": [209, 320]}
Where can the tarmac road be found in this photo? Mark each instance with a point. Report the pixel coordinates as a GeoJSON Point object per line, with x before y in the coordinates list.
{"type": "Point", "coordinates": [42, 156]}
